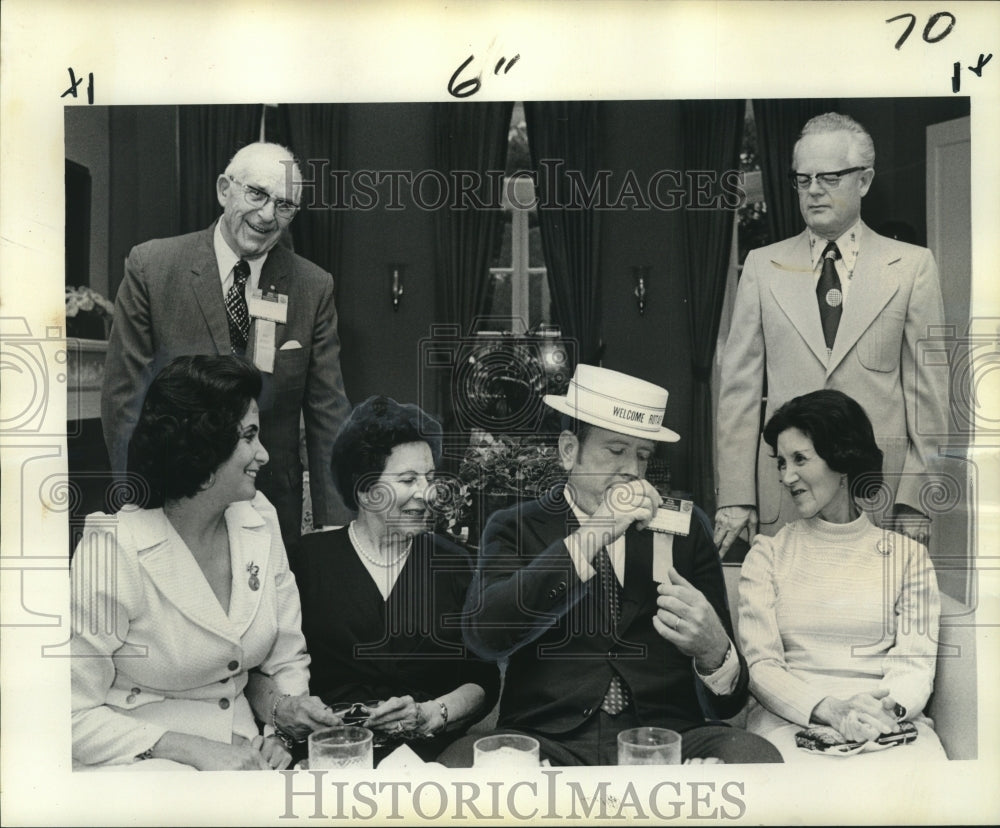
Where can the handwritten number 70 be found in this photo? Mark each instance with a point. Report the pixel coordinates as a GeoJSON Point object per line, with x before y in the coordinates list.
{"type": "Point", "coordinates": [931, 23]}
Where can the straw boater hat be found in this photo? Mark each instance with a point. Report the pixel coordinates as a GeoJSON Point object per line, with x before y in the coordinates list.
{"type": "Point", "coordinates": [616, 402]}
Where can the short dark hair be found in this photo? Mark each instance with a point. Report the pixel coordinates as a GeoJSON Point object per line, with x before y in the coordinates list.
{"type": "Point", "coordinates": [840, 432]}
{"type": "Point", "coordinates": [367, 438]}
{"type": "Point", "coordinates": [578, 427]}
{"type": "Point", "coordinates": [189, 423]}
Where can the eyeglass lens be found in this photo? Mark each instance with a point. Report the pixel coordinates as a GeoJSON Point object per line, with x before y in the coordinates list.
{"type": "Point", "coordinates": [804, 181]}
{"type": "Point", "coordinates": [258, 198]}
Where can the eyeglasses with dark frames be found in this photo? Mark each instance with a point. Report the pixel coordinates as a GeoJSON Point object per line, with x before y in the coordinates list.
{"type": "Point", "coordinates": [257, 198]}
{"type": "Point", "coordinates": [829, 180]}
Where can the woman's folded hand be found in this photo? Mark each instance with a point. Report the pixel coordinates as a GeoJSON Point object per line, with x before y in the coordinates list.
{"type": "Point", "coordinates": [395, 716]}
{"type": "Point", "coordinates": [207, 754]}
{"type": "Point", "coordinates": [275, 753]}
{"type": "Point", "coordinates": [862, 717]}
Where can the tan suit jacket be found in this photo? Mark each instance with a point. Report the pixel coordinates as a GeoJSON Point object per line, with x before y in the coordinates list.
{"type": "Point", "coordinates": [894, 302]}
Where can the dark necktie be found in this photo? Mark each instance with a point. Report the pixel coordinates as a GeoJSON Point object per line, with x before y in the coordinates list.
{"type": "Point", "coordinates": [617, 696]}
{"type": "Point", "coordinates": [236, 308]}
{"type": "Point", "coordinates": [829, 295]}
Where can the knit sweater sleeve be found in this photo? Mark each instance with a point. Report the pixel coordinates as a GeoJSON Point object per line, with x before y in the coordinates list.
{"type": "Point", "coordinates": [771, 681]}
{"type": "Point", "coordinates": [909, 665]}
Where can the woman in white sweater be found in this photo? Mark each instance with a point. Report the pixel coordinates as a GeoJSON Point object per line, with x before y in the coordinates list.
{"type": "Point", "coordinates": [838, 619]}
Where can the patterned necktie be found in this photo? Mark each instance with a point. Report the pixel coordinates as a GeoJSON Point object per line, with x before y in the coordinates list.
{"type": "Point", "coordinates": [617, 696]}
{"type": "Point", "coordinates": [829, 295]}
{"type": "Point", "coordinates": [236, 308]}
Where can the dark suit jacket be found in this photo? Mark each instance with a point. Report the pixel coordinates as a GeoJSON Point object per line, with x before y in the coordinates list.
{"type": "Point", "coordinates": [170, 304]}
{"type": "Point", "coordinates": [528, 601]}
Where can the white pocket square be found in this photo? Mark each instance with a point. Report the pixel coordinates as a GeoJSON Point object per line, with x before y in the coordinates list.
{"type": "Point", "coordinates": [291, 345]}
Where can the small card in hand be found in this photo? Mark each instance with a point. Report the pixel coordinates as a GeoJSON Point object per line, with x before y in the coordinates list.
{"type": "Point", "coordinates": [824, 739]}
{"type": "Point", "coordinates": [673, 516]}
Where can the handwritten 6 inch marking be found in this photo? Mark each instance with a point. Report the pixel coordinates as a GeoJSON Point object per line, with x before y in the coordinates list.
{"type": "Point", "coordinates": [470, 87]}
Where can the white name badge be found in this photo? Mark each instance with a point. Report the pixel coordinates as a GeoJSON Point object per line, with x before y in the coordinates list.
{"type": "Point", "coordinates": [673, 516]}
{"type": "Point", "coordinates": [663, 556]}
{"type": "Point", "coordinates": [263, 345]}
{"type": "Point", "coordinates": [271, 306]}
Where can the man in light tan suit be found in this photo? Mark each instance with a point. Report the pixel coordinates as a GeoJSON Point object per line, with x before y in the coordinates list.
{"type": "Point", "coordinates": [883, 299]}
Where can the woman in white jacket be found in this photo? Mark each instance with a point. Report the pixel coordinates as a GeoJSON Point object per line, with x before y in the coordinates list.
{"type": "Point", "coordinates": [176, 604]}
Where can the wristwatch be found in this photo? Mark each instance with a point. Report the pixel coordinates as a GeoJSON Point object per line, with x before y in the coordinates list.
{"type": "Point", "coordinates": [730, 653]}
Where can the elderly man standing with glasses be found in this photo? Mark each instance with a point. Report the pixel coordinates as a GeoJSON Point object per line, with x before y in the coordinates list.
{"type": "Point", "coordinates": [231, 288]}
{"type": "Point", "coordinates": [837, 306]}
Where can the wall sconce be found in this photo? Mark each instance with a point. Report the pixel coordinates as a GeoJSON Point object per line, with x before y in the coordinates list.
{"type": "Point", "coordinates": [396, 273]}
{"type": "Point", "coordinates": [640, 277]}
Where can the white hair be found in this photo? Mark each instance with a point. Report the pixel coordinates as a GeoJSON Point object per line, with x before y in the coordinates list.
{"type": "Point", "coordinates": [239, 163]}
{"type": "Point", "coordinates": [828, 122]}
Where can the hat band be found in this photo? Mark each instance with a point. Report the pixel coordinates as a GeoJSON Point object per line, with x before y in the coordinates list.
{"type": "Point", "coordinates": [616, 412]}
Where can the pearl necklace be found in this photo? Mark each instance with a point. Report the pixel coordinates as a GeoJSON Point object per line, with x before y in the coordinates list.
{"type": "Point", "coordinates": [356, 542]}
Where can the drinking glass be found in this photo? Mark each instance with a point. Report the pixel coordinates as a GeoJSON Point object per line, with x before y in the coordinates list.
{"type": "Point", "coordinates": [505, 750]}
{"type": "Point", "coordinates": [340, 747]}
{"type": "Point", "coordinates": [649, 746]}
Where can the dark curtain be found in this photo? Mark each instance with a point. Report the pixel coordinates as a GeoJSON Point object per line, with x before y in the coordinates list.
{"type": "Point", "coordinates": [473, 137]}
{"type": "Point", "coordinates": [713, 133]}
{"type": "Point", "coordinates": [208, 136]}
{"type": "Point", "coordinates": [563, 136]}
{"type": "Point", "coordinates": [469, 137]}
{"type": "Point", "coordinates": [778, 124]}
{"type": "Point", "coordinates": [314, 133]}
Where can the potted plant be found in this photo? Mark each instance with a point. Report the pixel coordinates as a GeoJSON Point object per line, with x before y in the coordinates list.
{"type": "Point", "coordinates": [497, 471]}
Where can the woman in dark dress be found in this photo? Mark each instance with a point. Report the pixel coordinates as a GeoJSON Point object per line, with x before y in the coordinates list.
{"type": "Point", "coordinates": [382, 597]}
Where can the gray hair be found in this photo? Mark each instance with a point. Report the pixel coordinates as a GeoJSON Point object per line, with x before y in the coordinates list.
{"type": "Point", "coordinates": [861, 141]}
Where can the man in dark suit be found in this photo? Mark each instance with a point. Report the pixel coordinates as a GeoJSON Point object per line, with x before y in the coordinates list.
{"type": "Point", "coordinates": [606, 623]}
{"type": "Point", "coordinates": [837, 306]}
{"type": "Point", "coordinates": [232, 289]}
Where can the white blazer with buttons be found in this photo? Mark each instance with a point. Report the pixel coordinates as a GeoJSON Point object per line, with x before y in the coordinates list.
{"type": "Point", "coordinates": [154, 651]}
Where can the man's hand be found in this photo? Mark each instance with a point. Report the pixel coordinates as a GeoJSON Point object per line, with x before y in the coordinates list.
{"type": "Point", "coordinates": [908, 521]}
{"type": "Point", "coordinates": [687, 620]}
{"type": "Point", "coordinates": [622, 505]}
{"type": "Point", "coordinates": [729, 522]}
